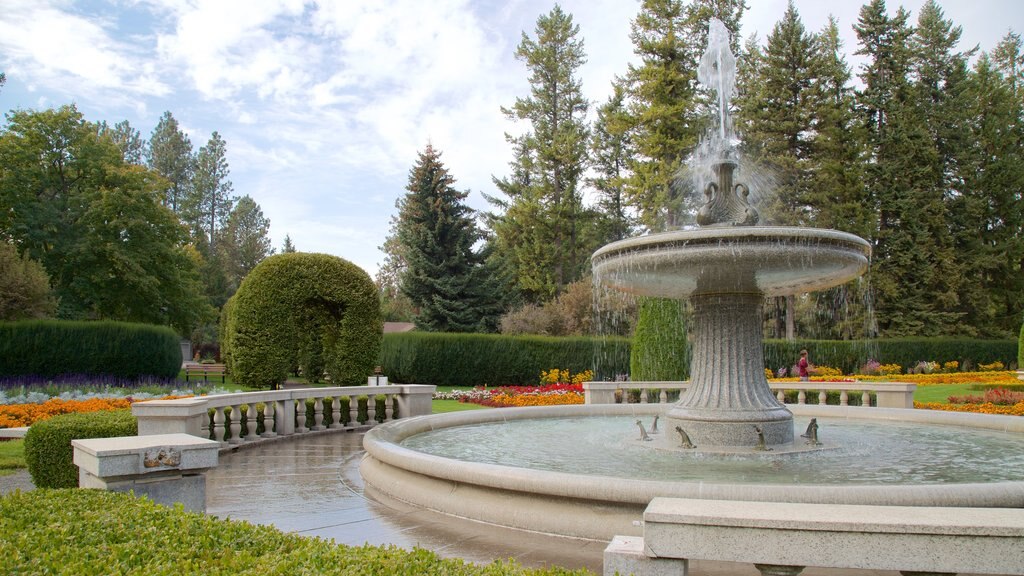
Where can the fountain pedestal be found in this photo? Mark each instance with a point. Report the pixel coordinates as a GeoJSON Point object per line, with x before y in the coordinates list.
{"type": "Point", "coordinates": [729, 399]}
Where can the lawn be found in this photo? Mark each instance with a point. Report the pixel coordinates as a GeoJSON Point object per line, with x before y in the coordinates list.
{"type": "Point", "coordinates": [442, 406]}
{"type": "Point", "coordinates": [941, 392]}
{"type": "Point", "coordinates": [12, 456]}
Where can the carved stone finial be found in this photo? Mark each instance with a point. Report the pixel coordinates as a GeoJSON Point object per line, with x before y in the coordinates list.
{"type": "Point", "coordinates": [725, 203]}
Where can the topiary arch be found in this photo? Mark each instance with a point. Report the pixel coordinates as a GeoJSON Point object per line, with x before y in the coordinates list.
{"type": "Point", "coordinates": [309, 305]}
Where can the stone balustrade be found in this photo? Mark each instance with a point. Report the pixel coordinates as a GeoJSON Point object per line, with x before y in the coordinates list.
{"type": "Point", "coordinates": [887, 394]}
{"type": "Point", "coordinates": [782, 538]}
{"type": "Point", "coordinates": [252, 417]}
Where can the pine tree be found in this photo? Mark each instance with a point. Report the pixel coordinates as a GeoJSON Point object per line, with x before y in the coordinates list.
{"type": "Point", "coordinates": [210, 202]}
{"type": "Point", "coordinates": [445, 279]}
{"type": "Point", "coordinates": [544, 227]}
{"type": "Point", "coordinates": [288, 247]}
{"type": "Point", "coordinates": [170, 154]}
{"type": "Point", "coordinates": [610, 150]}
{"type": "Point", "coordinates": [245, 241]}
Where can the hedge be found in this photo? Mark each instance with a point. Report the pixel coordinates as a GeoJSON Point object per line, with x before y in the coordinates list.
{"type": "Point", "coordinates": [446, 359]}
{"type": "Point", "coordinates": [315, 308]}
{"type": "Point", "coordinates": [50, 348]}
{"type": "Point", "coordinates": [74, 532]}
{"type": "Point", "coordinates": [492, 359]}
{"type": "Point", "coordinates": [660, 349]}
{"type": "Point", "coordinates": [48, 450]}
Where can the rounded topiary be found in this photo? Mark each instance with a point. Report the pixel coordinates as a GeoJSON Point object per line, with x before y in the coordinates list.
{"type": "Point", "coordinates": [290, 302]}
{"type": "Point", "coordinates": [660, 349]}
{"type": "Point", "coordinates": [48, 450]}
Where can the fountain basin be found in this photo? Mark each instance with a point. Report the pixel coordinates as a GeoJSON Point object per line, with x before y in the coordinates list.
{"type": "Point", "coordinates": [770, 260]}
{"type": "Point", "coordinates": [595, 506]}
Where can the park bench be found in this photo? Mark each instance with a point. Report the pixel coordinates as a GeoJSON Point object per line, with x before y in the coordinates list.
{"type": "Point", "coordinates": [204, 370]}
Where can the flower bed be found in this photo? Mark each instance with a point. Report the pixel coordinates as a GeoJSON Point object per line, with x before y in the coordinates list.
{"type": "Point", "coordinates": [509, 396]}
{"type": "Point", "coordinates": [26, 414]}
{"type": "Point", "coordinates": [985, 408]}
{"type": "Point", "coordinates": [981, 378]}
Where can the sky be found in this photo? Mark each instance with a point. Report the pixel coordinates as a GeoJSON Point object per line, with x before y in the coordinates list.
{"type": "Point", "coordinates": [325, 105]}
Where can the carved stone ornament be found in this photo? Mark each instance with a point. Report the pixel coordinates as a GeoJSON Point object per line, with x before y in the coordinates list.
{"type": "Point", "coordinates": [162, 458]}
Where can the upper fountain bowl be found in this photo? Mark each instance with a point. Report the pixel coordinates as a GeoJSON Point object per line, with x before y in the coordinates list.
{"type": "Point", "coordinates": [772, 260]}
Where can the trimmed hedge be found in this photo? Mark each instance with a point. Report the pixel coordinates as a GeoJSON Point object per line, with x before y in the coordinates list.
{"type": "Point", "coordinates": [849, 355]}
{"type": "Point", "coordinates": [660, 350]}
{"type": "Point", "coordinates": [49, 348]}
{"type": "Point", "coordinates": [74, 532]}
{"type": "Point", "coordinates": [48, 450]}
{"type": "Point", "coordinates": [315, 308]}
{"type": "Point", "coordinates": [447, 359]}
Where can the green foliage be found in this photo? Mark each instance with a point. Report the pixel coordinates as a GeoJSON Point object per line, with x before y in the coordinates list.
{"type": "Point", "coordinates": [544, 230]}
{"type": "Point", "coordinates": [1020, 349]}
{"type": "Point", "coordinates": [849, 355]}
{"type": "Point", "coordinates": [446, 281]}
{"type": "Point", "coordinates": [95, 223]}
{"type": "Point", "coordinates": [12, 455]}
{"type": "Point", "coordinates": [76, 532]}
{"type": "Point", "coordinates": [48, 450]}
{"type": "Point", "coordinates": [53, 347]}
{"type": "Point", "coordinates": [493, 360]}
{"type": "Point", "coordinates": [24, 287]}
{"type": "Point", "coordinates": [291, 302]}
{"type": "Point", "coordinates": [660, 350]}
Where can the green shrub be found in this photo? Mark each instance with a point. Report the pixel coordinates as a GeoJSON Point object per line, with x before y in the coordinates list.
{"type": "Point", "coordinates": [660, 350]}
{"type": "Point", "coordinates": [446, 359]}
{"type": "Point", "coordinates": [71, 532]}
{"type": "Point", "coordinates": [849, 355]}
{"type": "Point", "coordinates": [1020, 349]}
{"type": "Point", "coordinates": [291, 302]}
{"type": "Point", "coordinates": [48, 450]}
{"type": "Point", "coordinates": [51, 348]}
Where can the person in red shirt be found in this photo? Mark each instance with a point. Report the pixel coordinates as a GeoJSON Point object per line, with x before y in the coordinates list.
{"type": "Point", "coordinates": [804, 366]}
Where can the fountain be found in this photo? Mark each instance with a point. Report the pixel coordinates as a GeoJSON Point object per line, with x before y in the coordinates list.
{"type": "Point", "coordinates": [583, 471]}
{"type": "Point", "coordinates": [726, 268]}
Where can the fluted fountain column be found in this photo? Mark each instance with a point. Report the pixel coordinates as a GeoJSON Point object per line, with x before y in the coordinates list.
{"type": "Point", "coordinates": [728, 399]}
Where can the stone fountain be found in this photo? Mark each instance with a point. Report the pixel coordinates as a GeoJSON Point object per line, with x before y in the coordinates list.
{"type": "Point", "coordinates": [571, 470]}
{"type": "Point", "coordinates": [725, 269]}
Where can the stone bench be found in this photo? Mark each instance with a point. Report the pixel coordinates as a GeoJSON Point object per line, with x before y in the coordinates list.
{"type": "Point", "coordinates": [168, 468]}
{"type": "Point", "coordinates": [783, 538]}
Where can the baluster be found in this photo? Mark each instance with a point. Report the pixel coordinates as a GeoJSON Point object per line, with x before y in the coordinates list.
{"type": "Point", "coordinates": [389, 407]}
{"type": "Point", "coordinates": [643, 395]}
{"type": "Point", "coordinates": [236, 424]}
{"type": "Point", "coordinates": [781, 396]}
{"type": "Point", "coordinates": [268, 420]}
{"type": "Point", "coordinates": [300, 416]}
{"type": "Point", "coordinates": [801, 398]}
{"type": "Point", "coordinates": [865, 399]}
{"type": "Point", "coordinates": [336, 412]}
{"type": "Point", "coordinates": [318, 414]}
{"type": "Point", "coordinates": [663, 397]}
{"type": "Point", "coordinates": [844, 398]}
{"type": "Point", "coordinates": [218, 424]}
{"type": "Point", "coordinates": [822, 397]}
{"type": "Point", "coordinates": [252, 420]}
{"type": "Point", "coordinates": [371, 410]}
{"type": "Point", "coordinates": [353, 411]}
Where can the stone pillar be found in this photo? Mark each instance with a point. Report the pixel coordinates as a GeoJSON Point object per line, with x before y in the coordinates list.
{"type": "Point", "coordinates": [168, 468]}
{"type": "Point", "coordinates": [728, 394]}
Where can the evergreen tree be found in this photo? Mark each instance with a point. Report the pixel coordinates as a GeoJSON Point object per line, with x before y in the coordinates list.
{"type": "Point", "coordinates": [170, 154]}
{"type": "Point", "coordinates": [246, 241]}
{"type": "Point", "coordinates": [445, 279]}
{"type": "Point", "coordinates": [610, 150]}
{"type": "Point", "coordinates": [210, 202]}
{"type": "Point", "coordinates": [667, 109]}
{"type": "Point", "coordinates": [288, 247]}
{"type": "Point", "coordinates": [1008, 58]}
{"type": "Point", "coordinates": [545, 213]}
{"type": "Point", "coordinates": [128, 140]}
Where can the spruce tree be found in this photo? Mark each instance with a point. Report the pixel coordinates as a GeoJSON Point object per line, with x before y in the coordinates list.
{"type": "Point", "coordinates": [610, 150]}
{"type": "Point", "coordinates": [444, 278]}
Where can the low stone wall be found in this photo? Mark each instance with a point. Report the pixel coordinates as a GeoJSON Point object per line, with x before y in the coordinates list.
{"type": "Point", "coordinates": [887, 394]}
{"type": "Point", "coordinates": [783, 538]}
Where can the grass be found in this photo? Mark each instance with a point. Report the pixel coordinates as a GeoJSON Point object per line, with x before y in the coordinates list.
{"type": "Point", "coordinates": [442, 406]}
{"type": "Point", "coordinates": [941, 392]}
{"type": "Point", "coordinates": [12, 456]}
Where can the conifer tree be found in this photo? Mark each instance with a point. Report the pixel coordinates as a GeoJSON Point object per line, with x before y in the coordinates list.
{"type": "Point", "coordinates": [170, 154]}
{"type": "Point", "coordinates": [610, 150]}
{"type": "Point", "coordinates": [444, 278]}
{"type": "Point", "coordinates": [544, 229]}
